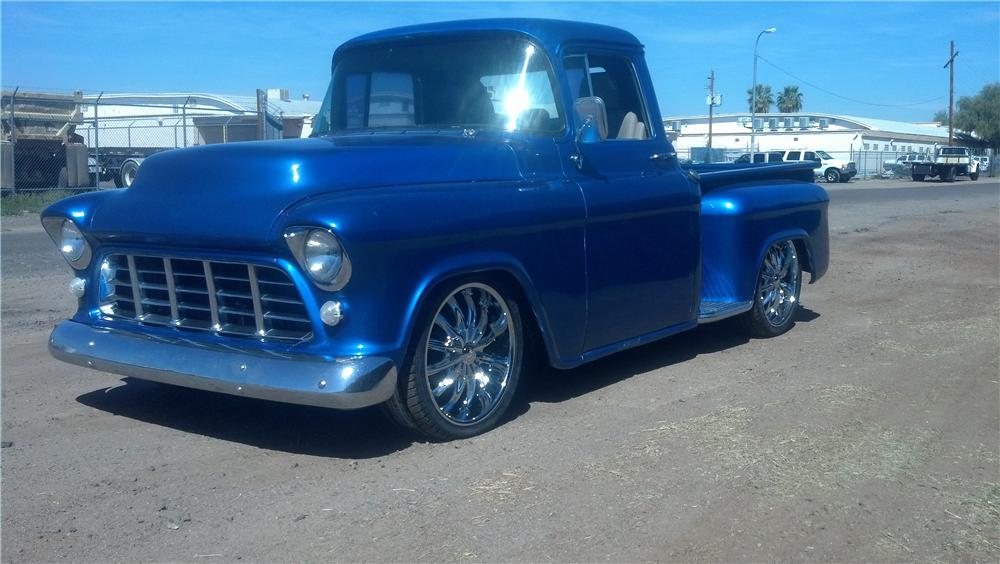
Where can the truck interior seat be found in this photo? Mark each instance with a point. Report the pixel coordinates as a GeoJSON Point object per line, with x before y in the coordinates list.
{"type": "Point", "coordinates": [536, 119]}
{"type": "Point", "coordinates": [631, 128]}
{"type": "Point", "coordinates": [474, 106]}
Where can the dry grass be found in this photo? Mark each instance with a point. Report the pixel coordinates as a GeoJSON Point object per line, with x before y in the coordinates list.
{"type": "Point", "coordinates": [977, 525]}
{"type": "Point", "coordinates": [736, 443]}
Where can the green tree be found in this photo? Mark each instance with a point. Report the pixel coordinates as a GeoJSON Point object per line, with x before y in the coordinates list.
{"type": "Point", "coordinates": [941, 116]}
{"type": "Point", "coordinates": [790, 100]}
{"type": "Point", "coordinates": [980, 114]}
{"type": "Point", "coordinates": [765, 99]}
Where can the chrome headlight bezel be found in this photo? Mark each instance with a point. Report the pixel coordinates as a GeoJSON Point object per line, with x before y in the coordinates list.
{"type": "Point", "coordinates": [296, 239]}
{"type": "Point", "coordinates": [63, 233]}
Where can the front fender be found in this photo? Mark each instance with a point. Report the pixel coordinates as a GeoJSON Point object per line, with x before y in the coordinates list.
{"type": "Point", "coordinates": [403, 241]}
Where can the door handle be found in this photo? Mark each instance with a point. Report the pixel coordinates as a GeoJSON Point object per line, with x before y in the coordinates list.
{"type": "Point", "coordinates": [663, 157]}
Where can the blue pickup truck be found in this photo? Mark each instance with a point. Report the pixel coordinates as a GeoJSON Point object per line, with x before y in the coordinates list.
{"type": "Point", "coordinates": [478, 196]}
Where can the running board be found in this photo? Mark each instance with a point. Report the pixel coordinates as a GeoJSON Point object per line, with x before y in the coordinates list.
{"type": "Point", "coordinates": [716, 311]}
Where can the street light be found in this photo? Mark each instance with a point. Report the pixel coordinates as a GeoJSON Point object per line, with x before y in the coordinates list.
{"type": "Point", "coordinates": [753, 89]}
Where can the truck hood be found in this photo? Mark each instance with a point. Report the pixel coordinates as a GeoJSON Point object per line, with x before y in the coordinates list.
{"type": "Point", "coordinates": [230, 195]}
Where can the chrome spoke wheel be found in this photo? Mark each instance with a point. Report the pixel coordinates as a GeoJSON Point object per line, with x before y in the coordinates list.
{"type": "Point", "coordinates": [469, 354]}
{"type": "Point", "coordinates": [778, 286]}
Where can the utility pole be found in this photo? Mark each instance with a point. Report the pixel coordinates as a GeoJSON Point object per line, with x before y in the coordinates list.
{"type": "Point", "coordinates": [711, 106]}
{"type": "Point", "coordinates": [950, 65]}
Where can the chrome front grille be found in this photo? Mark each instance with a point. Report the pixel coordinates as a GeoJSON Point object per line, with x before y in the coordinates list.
{"type": "Point", "coordinates": [227, 298]}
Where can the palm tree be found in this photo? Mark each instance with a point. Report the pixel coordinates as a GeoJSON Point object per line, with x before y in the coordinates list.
{"type": "Point", "coordinates": [790, 100]}
{"type": "Point", "coordinates": [765, 99]}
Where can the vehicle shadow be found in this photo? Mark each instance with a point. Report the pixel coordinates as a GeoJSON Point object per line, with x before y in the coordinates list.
{"type": "Point", "coordinates": [367, 433]}
{"type": "Point", "coordinates": [299, 429]}
{"type": "Point", "coordinates": [553, 386]}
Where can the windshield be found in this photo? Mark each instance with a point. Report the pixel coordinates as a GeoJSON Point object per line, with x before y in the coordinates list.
{"type": "Point", "coordinates": [953, 151]}
{"type": "Point", "coordinates": [498, 83]}
{"type": "Point", "coordinates": [823, 155]}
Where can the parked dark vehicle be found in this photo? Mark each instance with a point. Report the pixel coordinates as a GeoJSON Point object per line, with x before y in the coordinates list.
{"type": "Point", "coordinates": [479, 194]}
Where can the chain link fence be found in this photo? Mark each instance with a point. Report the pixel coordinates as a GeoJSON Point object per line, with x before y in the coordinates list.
{"type": "Point", "coordinates": [78, 141]}
{"type": "Point", "coordinates": [869, 164]}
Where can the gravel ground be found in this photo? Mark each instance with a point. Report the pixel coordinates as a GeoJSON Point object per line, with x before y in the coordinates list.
{"type": "Point", "coordinates": [867, 433]}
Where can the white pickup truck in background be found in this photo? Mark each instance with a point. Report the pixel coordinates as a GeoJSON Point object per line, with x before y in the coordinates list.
{"type": "Point", "coordinates": [833, 170]}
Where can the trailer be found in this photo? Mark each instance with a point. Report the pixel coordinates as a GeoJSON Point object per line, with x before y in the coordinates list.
{"type": "Point", "coordinates": [40, 147]}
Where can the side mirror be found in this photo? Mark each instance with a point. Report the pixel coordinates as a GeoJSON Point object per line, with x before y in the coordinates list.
{"type": "Point", "coordinates": [593, 119]}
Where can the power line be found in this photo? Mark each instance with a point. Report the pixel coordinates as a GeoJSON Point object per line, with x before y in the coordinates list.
{"type": "Point", "coordinates": [821, 89]}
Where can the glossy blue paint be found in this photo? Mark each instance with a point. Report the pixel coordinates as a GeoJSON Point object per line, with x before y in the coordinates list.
{"type": "Point", "coordinates": [552, 35]}
{"type": "Point", "coordinates": [607, 257]}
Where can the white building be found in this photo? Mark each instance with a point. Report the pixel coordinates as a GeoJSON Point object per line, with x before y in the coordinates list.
{"type": "Point", "coordinates": [865, 140]}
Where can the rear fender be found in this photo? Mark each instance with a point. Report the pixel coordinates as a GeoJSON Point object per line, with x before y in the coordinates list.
{"type": "Point", "coordinates": [740, 223]}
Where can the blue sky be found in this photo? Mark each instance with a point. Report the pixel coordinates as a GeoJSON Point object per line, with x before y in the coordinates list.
{"type": "Point", "coordinates": [888, 55]}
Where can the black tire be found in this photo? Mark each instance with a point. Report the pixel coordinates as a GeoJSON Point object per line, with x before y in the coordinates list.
{"type": "Point", "coordinates": [948, 174]}
{"type": "Point", "coordinates": [127, 174]}
{"type": "Point", "coordinates": [974, 176]}
{"type": "Point", "coordinates": [918, 178]}
{"type": "Point", "coordinates": [832, 175]}
{"type": "Point", "coordinates": [414, 404]}
{"type": "Point", "coordinates": [62, 180]}
{"type": "Point", "coordinates": [770, 319]}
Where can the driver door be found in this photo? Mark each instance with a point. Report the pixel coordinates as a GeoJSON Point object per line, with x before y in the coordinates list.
{"type": "Point", "coordinates": [642, 234]}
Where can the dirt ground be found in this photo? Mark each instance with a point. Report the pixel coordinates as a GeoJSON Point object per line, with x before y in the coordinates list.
{"type": "Point", "coordinates": [867, 433]}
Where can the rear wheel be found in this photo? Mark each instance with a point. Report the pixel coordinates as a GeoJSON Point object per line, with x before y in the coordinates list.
{"type": "Point", "coordinates": [776, 298]}
{"type": "Point", "coordinates": [832, 175]}
{"type": "Point", "coordinates": [948, 174]}
{"type": "Point", "coordinates": [465, 365]}
{"type": "Point", "coordinates": [974, 176]}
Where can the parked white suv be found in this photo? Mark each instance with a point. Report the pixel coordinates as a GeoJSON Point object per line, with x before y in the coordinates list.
{"type": "Point", "coordinates": [833, 170]}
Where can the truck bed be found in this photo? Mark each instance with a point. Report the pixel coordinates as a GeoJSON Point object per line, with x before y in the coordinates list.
{"type": "Point", "coordinates": [714, 176]}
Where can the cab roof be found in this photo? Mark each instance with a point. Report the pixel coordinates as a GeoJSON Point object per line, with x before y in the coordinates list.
{"type": "Point", "coordinates": [550, 34]}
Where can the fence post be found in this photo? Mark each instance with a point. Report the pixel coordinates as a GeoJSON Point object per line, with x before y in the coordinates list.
{"type": "Point", "coordinates": [13, 143]}
{"type": "Point", "coordinates": [184, 123]}
{"type": "Point", "coordinates": [97, 139]}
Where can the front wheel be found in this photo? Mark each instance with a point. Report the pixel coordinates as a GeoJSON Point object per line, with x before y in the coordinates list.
{"type": "Point", "coordinates": [974, 176]}
{"type": "Point", "coordinates": [465, 364]}
{"type": "Point", "coordinates": [776, 299]}
{"type": "Point", "coordinates": [832, 175]}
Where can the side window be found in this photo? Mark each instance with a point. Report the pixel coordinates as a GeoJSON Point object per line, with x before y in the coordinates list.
{"type": "Point", "coordinates": [613, 79]}
{"type": "Point", "coordinates": [576, 73]}
{"type": "Point", "coordinates": [809, 156]}
{"type": "Point", "coordinates": [758, 157]}
{"type": "Point", "coordinates": [774, 157]}
{"type": "Point", "coordinates": [794, 156]}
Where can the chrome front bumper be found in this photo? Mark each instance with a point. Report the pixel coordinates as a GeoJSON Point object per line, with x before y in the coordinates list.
{"type": "Point", "coordinates": [341, 383]}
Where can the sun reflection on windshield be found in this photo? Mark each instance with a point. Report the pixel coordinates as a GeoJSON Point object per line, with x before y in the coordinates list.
{"type": "Point", "coordinates": [518, 99]}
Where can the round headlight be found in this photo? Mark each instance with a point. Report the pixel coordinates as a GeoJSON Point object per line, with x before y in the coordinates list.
{"type": "Point", "coordinates": [323, 256]}
{"type": "Point", "coordinates": [71, 242]}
